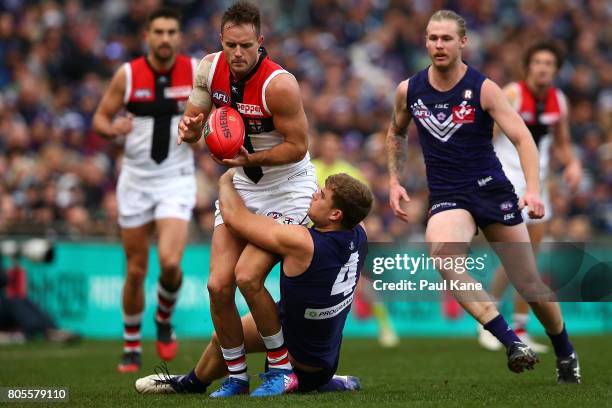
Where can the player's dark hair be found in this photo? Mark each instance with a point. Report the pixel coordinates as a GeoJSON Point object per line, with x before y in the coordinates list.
{"type": "Point", "coordinates": [242, 12]}
{"type": "Point", "coordinates": [164, 12]}
{"type": "Point", "coordinates": [350, 196]}
{"type": "Point", "coordinates": [450, 15]}
{"type": "Point", "coordinates": [544, 45]}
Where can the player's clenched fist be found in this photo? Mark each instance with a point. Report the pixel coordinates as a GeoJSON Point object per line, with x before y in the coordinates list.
{"type": "Point", "coordinates": [397, 193]}
{"type": "Point", "coordinates": [190, 128]}
{"type": "Point", "coordinates": [535, 205]}
{"type": "Point", "coordinates": [122, 126]}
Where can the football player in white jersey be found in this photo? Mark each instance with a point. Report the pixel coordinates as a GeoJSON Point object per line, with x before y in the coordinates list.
{"type": "Point", "coordinates": [275, 178]}
{"type": "Point", "coordinates": [156, 188]}
{"type": "Point", "coordinates": [544, 109]}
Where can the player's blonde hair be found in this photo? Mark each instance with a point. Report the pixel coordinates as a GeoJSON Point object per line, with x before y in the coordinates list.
{"type": "Point", "coordinates": [450, 15]}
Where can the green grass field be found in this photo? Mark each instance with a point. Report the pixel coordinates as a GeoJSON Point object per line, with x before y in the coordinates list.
{"type": "Point", "coordinates": [420, 372]}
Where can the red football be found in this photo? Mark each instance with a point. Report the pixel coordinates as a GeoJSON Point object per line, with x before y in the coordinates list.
{"type": "Point", "coordinates": [224, 132]}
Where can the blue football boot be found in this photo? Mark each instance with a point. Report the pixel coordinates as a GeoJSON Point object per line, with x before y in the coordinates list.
{"type": "Point", "coordinates": [276, 382]}
{"type": "Point", "coordinates": [231, 387]}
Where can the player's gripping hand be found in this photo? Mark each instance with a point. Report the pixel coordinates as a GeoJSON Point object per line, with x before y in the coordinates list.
{"type": "Point", "coordinates": [534, 203]}
{"type": "Point", "coordinates": [227, 177]}
{"type": "Point", "coordinates": [243, 159]}
{"type": "Point", "coordinates": [397, 193]}
{"type": "Point", "coordinates": [190, 129]}
{"type": "Point", "coordinates": [122, 125]}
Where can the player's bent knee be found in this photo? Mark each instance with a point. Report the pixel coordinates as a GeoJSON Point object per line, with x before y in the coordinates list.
{"type": "Point", "coordinates": [248, 282]}
{"type": "Point", "coordinates": [170, 264]}
{"type": "Point", "coordinates": [136, 276]}
{"type": "Point", "coordinates": [220, 292]}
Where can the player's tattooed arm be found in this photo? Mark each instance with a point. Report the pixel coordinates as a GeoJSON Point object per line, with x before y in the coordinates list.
{"type": "Point", "coordinates": [200, 95]}
{"type": "Point", "coordinates": [397, 138]}
{"type": "Point", "coordinates": [397, 143]}
{"type": "Point", "coordinates": [198, 105]}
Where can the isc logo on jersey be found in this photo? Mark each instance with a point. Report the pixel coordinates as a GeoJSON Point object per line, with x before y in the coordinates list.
{"type": "Point", "coordinates": [464, 113]}
{"type": "Point", "coordinates": [250, 110]}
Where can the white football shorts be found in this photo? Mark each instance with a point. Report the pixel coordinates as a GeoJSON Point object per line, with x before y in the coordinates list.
{"type": "Point", "coordinates": [139, 206]}
{"type": "Point", "coordinates": [520, 186]}
{"type": "Point", "coordinates": [288, 202]}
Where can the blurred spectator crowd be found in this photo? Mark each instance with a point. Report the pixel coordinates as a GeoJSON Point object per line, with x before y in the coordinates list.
{"type": "Point", "coordinates": [56, 57]}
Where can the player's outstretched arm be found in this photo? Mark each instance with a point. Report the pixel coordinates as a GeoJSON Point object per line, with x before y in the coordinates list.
{"type": "Point", "coordinates": [266, 233]}
{"type": "Point", "coordinates": [562, 148]}
{"type": "Point", "coordinates": [104, 122]}
{"type": "Point", "coordinates": [198, 106]}
{"type": "Point", "coordinates": [284, 102]}
{"type": "Point", "coordinates": [397, 145]}
{"type": "Point", "coordinates": [512, 94]}
{"type": "Point", "coordinates": [496, 104]}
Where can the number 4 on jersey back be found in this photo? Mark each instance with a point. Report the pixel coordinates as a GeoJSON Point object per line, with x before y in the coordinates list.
{"type": "Point", "coordinates": [347, 277]}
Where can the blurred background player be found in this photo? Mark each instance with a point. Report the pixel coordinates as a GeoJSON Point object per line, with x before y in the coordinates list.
{"type": "Point", "coordinates": [319, 271]}
{"type": "Point", "coordinates": [156, 188]}
{"type": "Point", "coordinates": [455, 108]}
{"type": "Point", "coordinates": [544, 108]}
{"type": "Point", "coordinates": [274, 177]}
{"type": "Point", "coordinates": [368, 305]}
{"type": "Point", "coordinates": [330, 161]}
{"type": "Point", "coordinates": [50, 86]}
{"type": "Point", "coordinates": [21, 318]}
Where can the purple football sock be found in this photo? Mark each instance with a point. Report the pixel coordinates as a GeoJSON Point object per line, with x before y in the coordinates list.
{"type": "Point", "coordinates": [561, 343]}
{"type": "Point", "coordinates": [191, 383]}
{"type": "Point", "coordinates": [502, 331]}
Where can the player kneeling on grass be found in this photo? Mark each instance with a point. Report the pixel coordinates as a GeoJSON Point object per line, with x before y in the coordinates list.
{"type": "Point", "coordinates": [320, 267]}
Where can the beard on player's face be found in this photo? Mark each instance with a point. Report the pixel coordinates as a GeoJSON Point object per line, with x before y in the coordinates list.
{"type": "Point", "coordinates": [542, 76]}
{"type": "Point", "coordinates": [241, 44]}
{"type": "Point", "coordinates": [446, 63]}
{"type": "Point", "coordinates": [444, 43]}
{"type": "Point", "coordinates": [542, 80]}
{"type": "Point", "coordinates": [444, 57]}
{"type": "Point", "coordinates": [542, 68]}
{"type": "Point", "coordinates": [242, 65]}
{"type": "Point", "coordinates": [164, 53]}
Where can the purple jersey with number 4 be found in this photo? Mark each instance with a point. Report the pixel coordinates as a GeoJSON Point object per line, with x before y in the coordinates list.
{"type": "Point", "coordinates": [314, 305]}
